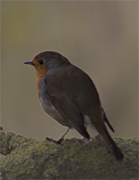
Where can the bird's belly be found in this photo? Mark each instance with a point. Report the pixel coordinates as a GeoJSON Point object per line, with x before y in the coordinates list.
{"type": "Point", "coordinates": [53, 112]}
{"type": "Point", "coordinates": [88, 122]}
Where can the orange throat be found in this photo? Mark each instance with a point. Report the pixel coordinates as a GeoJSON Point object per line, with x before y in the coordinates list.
{"type": "Point", "coordinates": [40, 74]}
{"type": "Point", "coordinates": [39, 87]}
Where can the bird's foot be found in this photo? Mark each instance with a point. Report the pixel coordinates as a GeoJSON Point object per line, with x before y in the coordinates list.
{"type": "Point", "coordinates": [60, 140]}
{"type": "Point", "coordinates": [55, 141]}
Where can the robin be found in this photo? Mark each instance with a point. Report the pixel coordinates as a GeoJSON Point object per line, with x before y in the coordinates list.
{"type": "Point", "coordinates": [69, 95]}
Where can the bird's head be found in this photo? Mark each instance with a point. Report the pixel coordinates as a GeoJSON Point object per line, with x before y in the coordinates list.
{"type": "Point", "coordinates": [46, 61]}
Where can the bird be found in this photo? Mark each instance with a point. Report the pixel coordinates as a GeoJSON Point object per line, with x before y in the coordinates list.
{"type": "Point", "coordinates": [70, 96]}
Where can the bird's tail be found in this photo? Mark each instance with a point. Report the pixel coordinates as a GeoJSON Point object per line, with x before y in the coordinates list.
{"type": "Point", "coordinates": [111, 145]}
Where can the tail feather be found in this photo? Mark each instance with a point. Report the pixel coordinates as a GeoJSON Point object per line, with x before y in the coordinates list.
{"type": "Point", "coordinates": [111, 145]}
{"type": "Point", "coordinates": [106, 120]}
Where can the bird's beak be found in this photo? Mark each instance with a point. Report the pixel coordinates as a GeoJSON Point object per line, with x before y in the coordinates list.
{"type": "Point", "coordinates": [29, 62]}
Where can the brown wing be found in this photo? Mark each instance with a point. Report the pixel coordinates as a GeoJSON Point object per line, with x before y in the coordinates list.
{"type": "Point", "coordinates": [65, 105]}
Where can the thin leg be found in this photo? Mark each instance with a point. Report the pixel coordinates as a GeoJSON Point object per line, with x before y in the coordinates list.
{"type": "Point", "coordinates": [60, 140]}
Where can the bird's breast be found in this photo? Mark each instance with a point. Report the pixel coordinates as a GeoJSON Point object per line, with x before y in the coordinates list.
{"type": "Point", "coordinates": [48, 106]}
{"type": "Point", "coordinates": [52, 111]}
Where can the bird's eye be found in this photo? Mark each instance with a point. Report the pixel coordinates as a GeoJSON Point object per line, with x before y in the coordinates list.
{"type": "Point", "coordinates": [41, 61]}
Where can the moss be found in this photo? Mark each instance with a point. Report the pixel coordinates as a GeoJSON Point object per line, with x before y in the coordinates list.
{"type": "Point", "coordinates": [74, 159]}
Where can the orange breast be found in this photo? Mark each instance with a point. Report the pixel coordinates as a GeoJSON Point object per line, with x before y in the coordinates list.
{"type": "Point", "coordinates": [40, 73]}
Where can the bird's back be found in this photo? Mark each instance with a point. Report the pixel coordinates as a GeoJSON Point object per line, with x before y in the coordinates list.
{"type": "Point", "coordinates": [76, 84]}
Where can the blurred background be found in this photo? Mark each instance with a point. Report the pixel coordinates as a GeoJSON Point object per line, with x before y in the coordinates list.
{"type": "Point", "coordinates": [99, 37]}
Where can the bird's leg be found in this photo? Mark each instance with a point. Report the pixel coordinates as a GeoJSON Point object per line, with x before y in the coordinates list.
{"type": "Point", "coordinates": [60, 140]}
